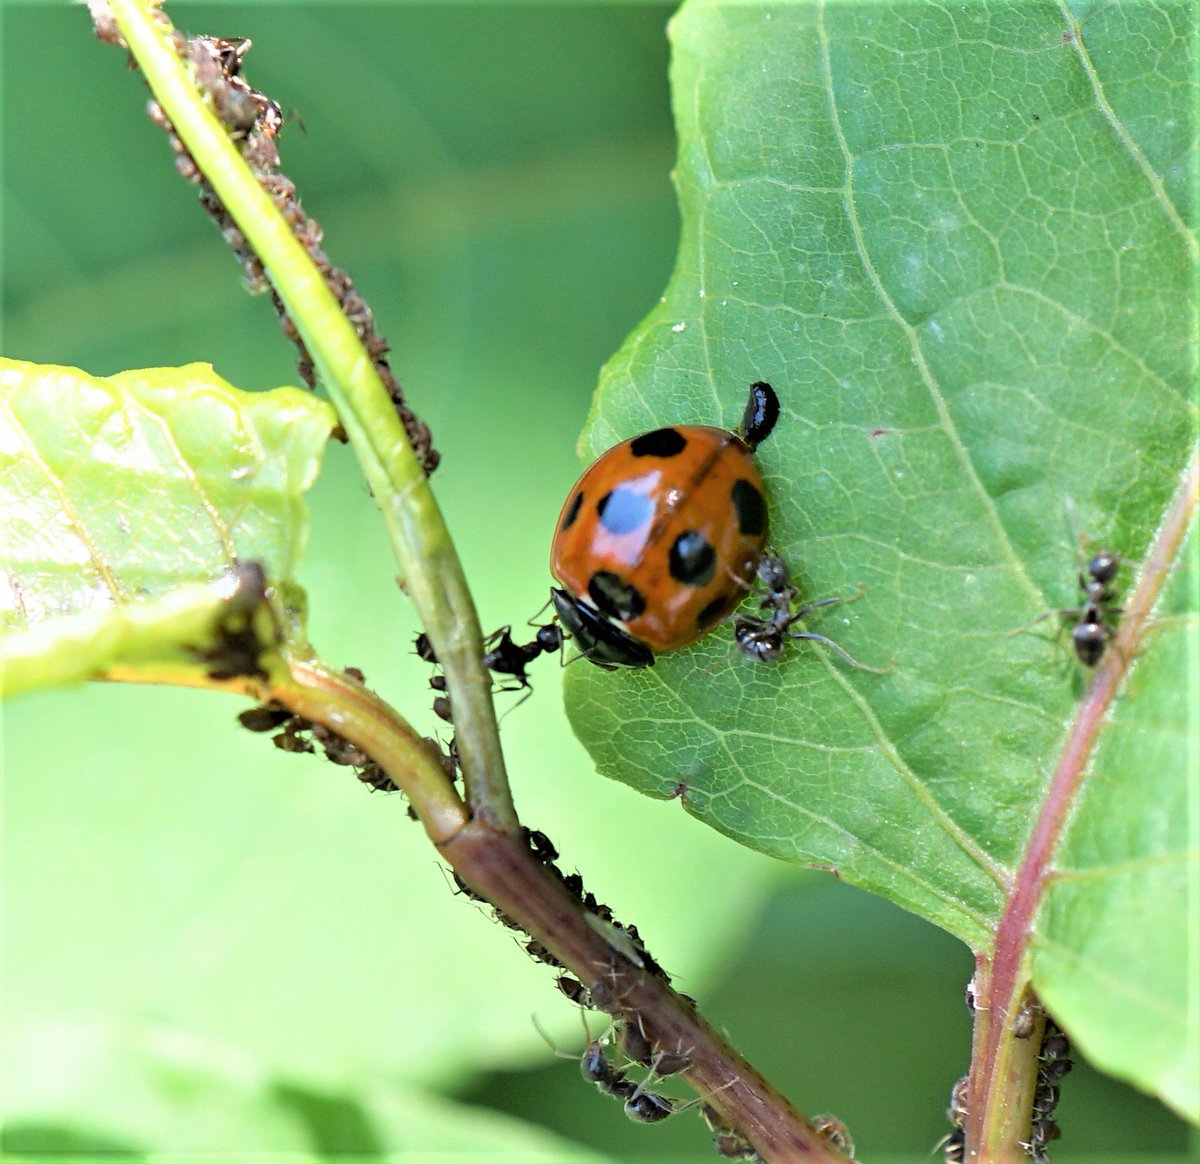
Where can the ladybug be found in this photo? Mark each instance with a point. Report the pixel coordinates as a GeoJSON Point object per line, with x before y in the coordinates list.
{"type": "Point", "coordinates": [661, 537]}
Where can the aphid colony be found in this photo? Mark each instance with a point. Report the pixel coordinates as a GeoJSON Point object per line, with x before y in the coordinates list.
{"type": "Point", "coordinates": [1054, 1063]}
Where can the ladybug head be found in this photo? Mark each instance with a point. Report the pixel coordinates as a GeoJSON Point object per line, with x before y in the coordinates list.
{"type": "Point", "coordinates": [599, 641]}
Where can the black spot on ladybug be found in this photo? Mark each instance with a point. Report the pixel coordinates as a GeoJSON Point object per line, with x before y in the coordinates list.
{"type": "Point", "coordinates": [713, 611]}
{"type": "Point", "coordinates": [750, 506]}
{"type": "Point", "coordinates": [615, 597]}
{"type": "Point", "coordinates": [692, 560]}
{"type": "Point", "coordinates": [662, 442]}
{"type": "Point", "coordinates": [622, 511]}
{"type": "Point", "coordinates": [573, 512]}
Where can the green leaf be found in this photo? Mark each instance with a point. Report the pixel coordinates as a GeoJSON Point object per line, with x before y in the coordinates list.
{"type": "Point", "coordinates": [88, 1089]}
{"type": "Point", "coordinates": [116, 493]}
{"type": "Point", "coordinates": [957, 241]}
{"type": "Point", "coordinates": [94, 1087]}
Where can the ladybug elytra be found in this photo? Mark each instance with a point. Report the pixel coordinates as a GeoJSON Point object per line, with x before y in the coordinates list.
{"type": "Point", "coordinates": [661, 537]}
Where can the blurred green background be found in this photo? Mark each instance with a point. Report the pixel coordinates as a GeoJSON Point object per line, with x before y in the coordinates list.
{"type": "Point", "coordinates": [213, 946]}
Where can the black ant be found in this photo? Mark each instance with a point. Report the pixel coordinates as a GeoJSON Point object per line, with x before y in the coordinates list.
{"type": "Point", "coordinates": [642, 1105]}
{"type": "Point", "coordinates": [762, 638]}
{"type": "Point", "coordinates": [1092, 631]}
{"type": "Point", "coordinates": [505, 657]}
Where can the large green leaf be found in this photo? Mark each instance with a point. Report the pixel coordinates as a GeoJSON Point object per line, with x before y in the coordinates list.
{"type": "Point", "coordinates": [956, 239]}
{"type": "Point", "coordinates": [116, 493]}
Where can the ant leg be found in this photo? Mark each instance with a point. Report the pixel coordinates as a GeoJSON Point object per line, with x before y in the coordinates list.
{"type": "Point", "coordinates": [816, 638]}
{"type": "Point", "coordinates": [538, 613]}
{"type": "Point", "coordinates": [1073, 612]}
{"type": "Point", "coordinates": [527, 687]}
{"type": "Point", "coordinates": [834, 601]}
{"type": "Point", "coordinates": [558, 1051]}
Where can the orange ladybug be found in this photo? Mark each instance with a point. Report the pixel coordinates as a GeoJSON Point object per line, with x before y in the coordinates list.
{"type": "Point", "coordinates": [661, 537]}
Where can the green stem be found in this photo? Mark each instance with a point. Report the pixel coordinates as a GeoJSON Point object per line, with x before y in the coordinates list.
{"type": "Point", "coordinates": [326, 696]}
{"type": "Point", "coordinates": [431, 573]}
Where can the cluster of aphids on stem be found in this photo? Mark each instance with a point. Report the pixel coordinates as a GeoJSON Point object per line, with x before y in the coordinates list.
{"type": "Point", "coordinates": [1054, 1062]}
{"type": "Point", "coordinates": [294, 733]}
{"type": "Point", "coordinates": [641, 1102]}
{"type": "Point", "coordinates": [597, 995]}
{"type": "Point", "coordinates": [254, 121]}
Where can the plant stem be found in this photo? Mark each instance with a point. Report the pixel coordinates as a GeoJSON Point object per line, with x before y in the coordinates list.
{"type": "Point", "coordinates": [498, 867]}
{"type": "Point", "coordinates": [325, 696]}
{"type": "Point", "coordinates": [485, 844]}
{"type": "Point", "coordinates": [431, 573]}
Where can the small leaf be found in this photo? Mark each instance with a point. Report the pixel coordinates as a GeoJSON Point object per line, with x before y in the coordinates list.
{"type": "Point", "coordinates": [957, 241]}
{"type": "Point", "coordinates": [117, 492]}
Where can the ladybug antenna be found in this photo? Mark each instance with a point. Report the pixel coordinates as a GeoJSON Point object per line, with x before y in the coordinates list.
{"type": "Point", "coordinates": [762, 411]}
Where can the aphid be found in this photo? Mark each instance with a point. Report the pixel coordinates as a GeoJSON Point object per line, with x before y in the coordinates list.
{"type": "Point", "coordinates": [237, 648]}
{"type": "Point", "coordinates": [266, 718]}
{"type": "Point", "coordinates": [574, 990]}
{"type": "Point", "coordinates": [636, 1045]}
{"type": "Point", "coordinates": [541, 846]}
{"type": "Point", "coordinates": [1027, 1018]}
{"type": "Point", "coordinates": [956, 1112]}
{"type": "Point", "coordinates": [729, 1143]}
{"type": "Point", "coordinates": [833, 1130]}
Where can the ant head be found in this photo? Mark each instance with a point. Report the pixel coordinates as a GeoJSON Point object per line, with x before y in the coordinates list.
{"type": "Point", "coordinates": [773, 572]}
{"type": "Point", "coordinates": [549, 637]}
{"type": "Point", "coordinates": [593, 1065]}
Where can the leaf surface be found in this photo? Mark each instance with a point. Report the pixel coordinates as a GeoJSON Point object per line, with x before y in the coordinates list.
{"type": "Point", "coordinates": [958, 242]}
{"type": "Point", "coordinates": [117, 493]}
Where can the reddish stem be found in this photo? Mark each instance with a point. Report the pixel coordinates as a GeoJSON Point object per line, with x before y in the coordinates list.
{"type": "Point", "coordinates": [996, 1096]}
